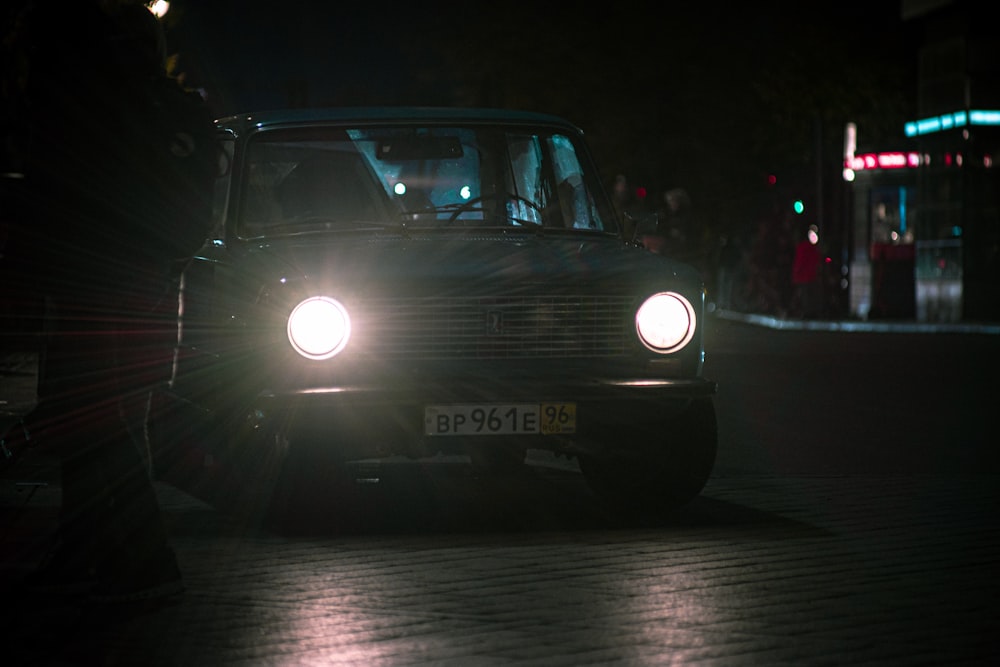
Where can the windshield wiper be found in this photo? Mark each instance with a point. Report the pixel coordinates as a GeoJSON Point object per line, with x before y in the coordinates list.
{"type": "Point", "coordinates": [537, 227]}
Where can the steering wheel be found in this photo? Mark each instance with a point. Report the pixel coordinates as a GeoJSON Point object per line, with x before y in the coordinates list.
{"type": "Point", "coordinates": [471, 204]}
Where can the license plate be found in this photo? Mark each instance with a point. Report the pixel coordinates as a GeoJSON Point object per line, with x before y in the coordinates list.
{"type": "Point", "coordinates": [500, 419]}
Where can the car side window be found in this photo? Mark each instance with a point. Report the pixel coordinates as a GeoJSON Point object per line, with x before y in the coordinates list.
{"type": "Point", "coordinates": [575, 200]}
{"type": "Point", "coordinates": [529, 184]}
{"type": "Point", "coordinates": [548, 182]}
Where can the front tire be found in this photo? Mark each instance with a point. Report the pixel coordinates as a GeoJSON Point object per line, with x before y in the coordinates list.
{"type": "Point", "coordinates": [659, 467]}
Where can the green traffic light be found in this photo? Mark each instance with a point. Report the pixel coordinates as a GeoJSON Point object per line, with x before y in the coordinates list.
{"type": "Point", "coordinates": [798, 206]}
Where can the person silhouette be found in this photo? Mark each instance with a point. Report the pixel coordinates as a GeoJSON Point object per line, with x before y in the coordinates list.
{"type": "Point", "coordinates": [96, 183]}
{"type": "Point", "coordinates": [806, 286]}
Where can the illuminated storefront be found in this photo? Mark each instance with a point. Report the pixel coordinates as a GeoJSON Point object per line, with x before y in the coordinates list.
{"type": "Point", "coordinates": [925, 222]}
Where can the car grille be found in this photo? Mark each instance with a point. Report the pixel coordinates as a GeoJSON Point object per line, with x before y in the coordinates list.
{"type": "Point", "coordinates": [496, 327]}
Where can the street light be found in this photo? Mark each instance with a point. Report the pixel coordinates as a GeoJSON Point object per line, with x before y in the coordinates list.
{"type": "Point", "coordinates": [159, 8]}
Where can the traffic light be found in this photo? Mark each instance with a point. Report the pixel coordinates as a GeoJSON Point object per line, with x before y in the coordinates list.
{"type": "Point", "coordinates": [798, 206]}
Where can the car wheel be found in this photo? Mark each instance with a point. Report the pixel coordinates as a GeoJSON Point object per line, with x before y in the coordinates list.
{"type": "Point", "coordinates": [655, 469]}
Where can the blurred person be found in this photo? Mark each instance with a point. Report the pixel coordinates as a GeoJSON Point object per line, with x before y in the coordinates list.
{"type": "Point", "coordinates": [762, 294]}
{"type": "Point", "coordinates": [675, 225]}
{"type": "Point", "coordinates": [621, 195]}
{"type": "Point", "coordinates": [784, 260]}
{"type": "Point", "coordinates": [118, 191]}
{"type": "Point", "coordinates": [632, 208]}
{"type": "Point", "coordinates": [730, 263]}
{"type": "Point", "coordinates": [806, 299]}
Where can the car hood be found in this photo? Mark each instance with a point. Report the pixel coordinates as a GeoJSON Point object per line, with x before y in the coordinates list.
{"type": "Point", "coordinates": [466, 263]}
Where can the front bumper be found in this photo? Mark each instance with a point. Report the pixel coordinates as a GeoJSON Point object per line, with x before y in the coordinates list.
{"type": "Point", "coordinates": [358, 421]}
{"type": "Point", "coordinates": [596, 389]}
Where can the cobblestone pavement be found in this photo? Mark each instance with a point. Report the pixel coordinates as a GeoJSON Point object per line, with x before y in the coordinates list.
{"type": "Point", "coordinates": [448, 569]}
{"type": "Point", "coordinates": [441, 567]}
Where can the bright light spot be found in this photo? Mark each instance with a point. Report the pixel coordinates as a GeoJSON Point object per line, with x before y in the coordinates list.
{"type": "Point", "coordinates": [319, 328]}
{"type": "Point", "coordinates": [665, 322]}
{"type": "Point", "coordinates": [159, 8]}
{"type": "Point", "coordinates": [465, 192]}
{"type": "Point", "coordinates": [798, 206]}
{"type": "Point", "coordinates": [399, 188]}
{"type": "Point", "coordinates": [850, 140]}
{"type": "Point", "coordinates": [931, 125]}
{"type": "Point", "coordinates": [813, 234]}
{"type": "Point", "coordinates": [849, 175]}
{"type": "Point", "coordinates": [987, 160]}
{"type": "Point", "coordinates": [891, 160]}
{"type": "Point", "coordinates": [984, 117]}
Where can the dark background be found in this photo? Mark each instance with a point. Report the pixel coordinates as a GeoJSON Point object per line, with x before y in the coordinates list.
{"type": "Point", "coordinates": [711, 98]}
{"type": "Point", "coordinates": [741, 105]}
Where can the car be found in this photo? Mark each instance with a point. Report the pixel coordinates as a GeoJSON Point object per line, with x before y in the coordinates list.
{"type": "Point", "coordinates": [431, 282]}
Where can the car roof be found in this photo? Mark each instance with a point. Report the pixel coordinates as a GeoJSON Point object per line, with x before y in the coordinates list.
{"type": "Point", "coordinates": [287, 117]}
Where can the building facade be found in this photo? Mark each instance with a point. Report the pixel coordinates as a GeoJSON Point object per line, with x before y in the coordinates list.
{"type": "Point", "coordinates": [926, 217]}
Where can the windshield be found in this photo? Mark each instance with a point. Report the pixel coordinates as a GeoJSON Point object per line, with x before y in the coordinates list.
{"type": "Point", "coordinates": [410, 177]}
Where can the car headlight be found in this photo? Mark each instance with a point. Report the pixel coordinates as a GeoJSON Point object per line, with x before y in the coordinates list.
{"type": "Point", "coordinates": [319, 328]}
{"type": "Point", "coordinates": [665, 322]}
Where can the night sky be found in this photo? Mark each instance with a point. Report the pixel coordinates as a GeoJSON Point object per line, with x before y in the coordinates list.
{"type": "Point", "coordinates": [703, 96]}
{"type": "Point", "coordinates": [249, 56]}
{"type": "Point", "coordinates": [256, 53]}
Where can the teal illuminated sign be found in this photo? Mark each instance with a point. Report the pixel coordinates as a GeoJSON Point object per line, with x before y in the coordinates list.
{"type": "Point", "coordinates": [952, 120]}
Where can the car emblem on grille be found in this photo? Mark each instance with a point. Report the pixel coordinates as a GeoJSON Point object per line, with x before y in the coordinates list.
{"type": "Point", "coordinates": [494, 322]}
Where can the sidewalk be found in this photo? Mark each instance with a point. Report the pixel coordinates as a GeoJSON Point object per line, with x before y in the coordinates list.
{"type": "Point", "coordinates": [859, 326]}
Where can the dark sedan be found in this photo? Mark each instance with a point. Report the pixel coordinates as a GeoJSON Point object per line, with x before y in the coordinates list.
{"type": "Point", "coordinates": [420, 282]}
